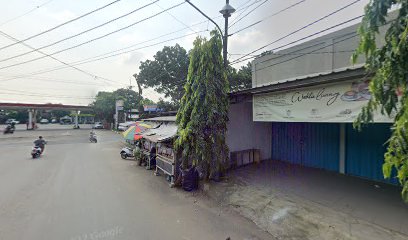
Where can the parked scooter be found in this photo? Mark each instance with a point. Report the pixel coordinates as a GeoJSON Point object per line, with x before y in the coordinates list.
{"type": "Point", "coordinates": [126, 153]}
{"type": "Point", "coordinates": [36, 152]}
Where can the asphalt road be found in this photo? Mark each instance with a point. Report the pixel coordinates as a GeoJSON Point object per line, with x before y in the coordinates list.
{"type": "Point", "coordinates": [78, 190]}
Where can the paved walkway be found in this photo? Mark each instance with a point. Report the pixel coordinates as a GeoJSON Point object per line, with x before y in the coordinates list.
{"type": "Point", "coordinates": [304, 203]}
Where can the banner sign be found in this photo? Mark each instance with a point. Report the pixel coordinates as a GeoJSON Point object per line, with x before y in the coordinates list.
{"type": "Point", "coordinates": [340, 102]}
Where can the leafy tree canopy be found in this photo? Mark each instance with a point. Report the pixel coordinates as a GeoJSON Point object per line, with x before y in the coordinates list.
{"type": "Point", "coordinates": [104, 104]}
{"type": "Point", "coordinates": [388, 64]}
{"type": "Point", "coordinates": [166, 73]}
{"type": "Point", "coordinates": [241, 79]}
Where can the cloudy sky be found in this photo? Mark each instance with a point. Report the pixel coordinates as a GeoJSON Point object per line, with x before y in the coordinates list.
{"type": "Point", "coordinates": [71, 63]}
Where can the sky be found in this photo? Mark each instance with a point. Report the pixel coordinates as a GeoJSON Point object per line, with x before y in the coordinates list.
{"type": "Point", "coordinates": [107, 56]}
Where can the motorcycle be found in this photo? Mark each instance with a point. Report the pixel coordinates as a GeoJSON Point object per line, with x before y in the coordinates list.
{"type": "Point", "coordinates": [36, 152]}
{"type": "Point", "coordinates": [126, 153]}
{"type": "Point", "coordinates": [9, 129]}
{"type": "Point", "coordinates": [93, 139]}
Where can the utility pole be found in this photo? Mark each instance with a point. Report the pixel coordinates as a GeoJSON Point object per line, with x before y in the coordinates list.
{"type": "Point", "coordinates": [226, 11]}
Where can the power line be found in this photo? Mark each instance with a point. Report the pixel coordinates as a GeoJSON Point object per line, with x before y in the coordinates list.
{"type": "Point", "coordinates": [101, 57]}
{"type": "Point", "coordinates": [301, 28]}
{"type": "Point", "coordinates": [94, 39]}
{"type": "Point", "coordinates": [54, 80]}
{"type": "Point", "coordinates": [78, 69]}
{"type": "Point", "coordinates": [290, 59]}
{"type": "Point", "coordinates": [298, 40]}
{"type": "Point", "coordinates": [78, 34]}
{"type": "Point", "coordinates": [262, 3]}
{"type": "Point", "coordinates": [26, 13]}
{"type": "Point", "coordinates": [274, 14]}
{"type": "Point", "coordinates": [245, 7]}
{"type": "Point", "coordinates": [175, 18]}
{"type": "Point", "coordinates": [62, 24]}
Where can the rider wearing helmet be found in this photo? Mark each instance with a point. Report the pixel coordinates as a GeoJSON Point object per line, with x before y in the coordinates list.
{"type": "Point", "coordinates": [40, 142]}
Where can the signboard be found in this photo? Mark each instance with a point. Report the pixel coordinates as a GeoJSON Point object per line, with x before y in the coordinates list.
{"type": "Point", "coordinates": [340, 102]}
{"type": "Point", "coordinates": [150, 108]}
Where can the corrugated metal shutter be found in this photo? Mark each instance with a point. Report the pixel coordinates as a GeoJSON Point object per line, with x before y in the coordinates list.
{"type": "Point", "coordinates": [308, 144]}
{"type": "Point", "coordinates": [321, 146]}
{"type": "Point", "coordinates": [365, 151]}
{"type": "Point", "coordinates": [287, 142]}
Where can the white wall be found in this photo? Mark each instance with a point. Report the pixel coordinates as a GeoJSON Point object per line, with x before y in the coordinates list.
{"type": "Point", "coordinates": [325, 54]}
{"type": "Point", "coordinates": [244, 134]}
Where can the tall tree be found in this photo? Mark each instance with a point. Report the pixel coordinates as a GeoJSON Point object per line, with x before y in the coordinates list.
{"type": "Point", "coordinates": [241, 79]}
{"type": "Point", "coordinates": [388, 64]}
{"type": "Point", "coordinates": [166, 73]}
{"type": "Point", "coordinates": [203, 114]}
{"type": "Point", "coordinates": [104, 104]}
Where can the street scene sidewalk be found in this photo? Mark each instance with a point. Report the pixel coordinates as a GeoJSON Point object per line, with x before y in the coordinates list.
{"type": "Point", "coordinates": [291, 202]}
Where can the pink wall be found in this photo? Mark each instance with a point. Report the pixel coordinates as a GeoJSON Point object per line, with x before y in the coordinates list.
{"type": "Point", "coordinates": [243, 133]}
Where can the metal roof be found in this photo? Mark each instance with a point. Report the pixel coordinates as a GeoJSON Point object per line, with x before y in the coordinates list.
{"type": "Point", "coordinates": [163, 133]}
{"type": "Point", "coordinates": [42, 106]}
{"type": "Point", "coordinates": [161, 119]}
{"type": "Point", "coordinates": [306, 81]}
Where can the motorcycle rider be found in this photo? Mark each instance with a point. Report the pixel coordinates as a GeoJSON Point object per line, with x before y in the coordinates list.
{"type": "Point", "coordinates": [10, 128]}
{"type": "Point", "coordinates": [92, 135]}
{"type": "Point", "coordinates": [40, 142]}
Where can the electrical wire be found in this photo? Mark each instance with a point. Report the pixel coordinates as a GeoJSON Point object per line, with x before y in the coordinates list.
{"type": "Point", "coordinates": [99, 57]}
{"type": "Point", "coordinates": [94, 39]}
{"type": "Point", "coordinates": [62, 24]}
{"type": "Point", "coordinates": [300, 39]}
{"type": "Point", "coordinates": [262, 3]}
{"type": "Point", "coordinates": [242, 10]}
{"type": "Point", "coordinates": [300, 29]}
{"type": "Point", "coordinates": [67, 64]}
{"type": "Point", "coordinates": [290, 59]}
{"type": "Point", "coordinates": [26, 13]}
{"type": "Point", "coordinates": [274, 14]}
{"type": "Point", "coordinates": [80, 33]}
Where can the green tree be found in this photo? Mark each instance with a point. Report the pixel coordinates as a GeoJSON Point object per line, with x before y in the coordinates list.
{"type": "Point", "coordinates": [166, 106]}
{"type": "Point", "coordinates": [241, 79]}
{"type": "Point", "coordinates": [104, 104]}
{"type": "Point", "coordinates": [166, 73]}
{"type": "Point", "coordinates": [203, 114]}
{"type": "Point", "coordinates": [388, 64]}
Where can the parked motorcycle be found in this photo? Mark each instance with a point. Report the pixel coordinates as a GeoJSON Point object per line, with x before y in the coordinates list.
{"type": "Point", "coordinates": [126, 153]}
{"type": "Point", "coordinates": [36, 152]}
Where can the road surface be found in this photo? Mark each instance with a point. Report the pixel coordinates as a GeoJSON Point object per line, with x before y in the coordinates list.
{"type": "Point", "coordinates": [78, 190]}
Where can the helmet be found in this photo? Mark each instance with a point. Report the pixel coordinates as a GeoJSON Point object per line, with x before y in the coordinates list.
{"type": "Point", "coordinates": [40, 137]}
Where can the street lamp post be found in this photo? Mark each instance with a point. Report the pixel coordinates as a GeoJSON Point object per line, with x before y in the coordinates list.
{"type": "Point", "coordinates": [226, 11]}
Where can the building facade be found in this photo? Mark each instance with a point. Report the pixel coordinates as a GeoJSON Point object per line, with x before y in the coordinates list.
{"type": "Point", "coordinates": [302, 105]}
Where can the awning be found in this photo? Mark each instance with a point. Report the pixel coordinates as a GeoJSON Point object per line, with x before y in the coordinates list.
{"type": "Point", "coordinates": [162, 133]}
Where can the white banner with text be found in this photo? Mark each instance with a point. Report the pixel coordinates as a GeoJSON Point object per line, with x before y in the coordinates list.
{"type": "Point", "coordinates": [340, 102]}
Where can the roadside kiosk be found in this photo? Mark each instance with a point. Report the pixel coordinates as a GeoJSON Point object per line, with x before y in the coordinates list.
{"type": "Point", "coordinates": [167, 160]}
